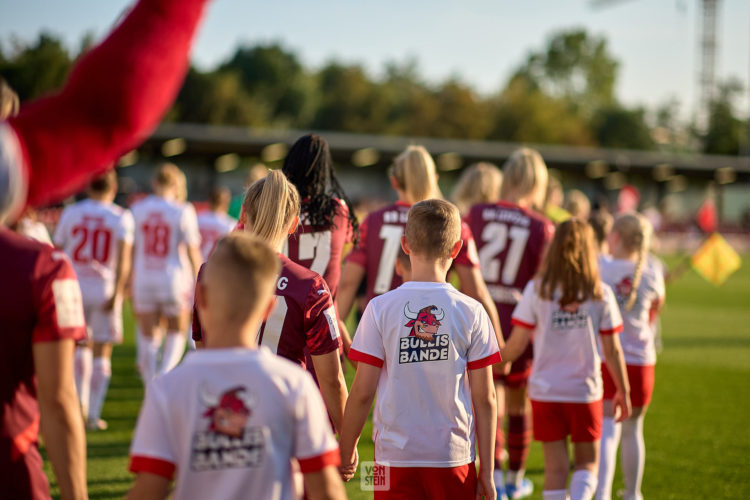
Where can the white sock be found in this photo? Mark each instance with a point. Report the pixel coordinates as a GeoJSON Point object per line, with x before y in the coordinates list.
{"type": "Point", "coordinates": [148, 352]}
{"type": "Point", "coordinates": [555, 494]}
{"type": "Point", "coordinates": [608, 457]}
{"type": "Point", "coordinates": [515, 477]}
{"type": "Point", "coordinates": [582, 485]}
{"type": "Point", "coordinates": [497, 475]}
{"type": "Point", "coordinates": [174, 347]}
{"type": "Point", "coordinates": [633, 457]}
{"type": "Point", "coordinates": [82, 372]}
{"type": "Point", "coordinates": [99, 384]}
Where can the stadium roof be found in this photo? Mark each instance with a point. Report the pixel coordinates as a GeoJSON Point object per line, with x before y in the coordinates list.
{"type": "Point", "coordinates": [379, 150]}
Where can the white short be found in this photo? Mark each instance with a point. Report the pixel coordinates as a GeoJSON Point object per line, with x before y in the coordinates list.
{"type": "Point", "coordinates": [104, 326]}
{"type": "Point", "coordinates": [164, 298]}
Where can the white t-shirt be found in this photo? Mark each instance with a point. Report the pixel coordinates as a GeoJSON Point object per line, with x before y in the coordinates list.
{"type": "Point", "coordinates": [212, 227]}
{"type": "Point", "coordinates": [567, 365]}
{"type": "Point", "coordinates": [163, 231]}
{"type": "Point", "coordinates": [423, 414]}
{"type": "Point", "coordinates": [638, 335]}
{"type": "Point", "coordinates": [227, 422]}
{"type": "Point", "coordinates": [89, 232]}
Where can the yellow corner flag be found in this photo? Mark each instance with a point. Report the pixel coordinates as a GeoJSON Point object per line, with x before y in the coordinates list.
{"type": "Point", "coordinates": [716, 260]}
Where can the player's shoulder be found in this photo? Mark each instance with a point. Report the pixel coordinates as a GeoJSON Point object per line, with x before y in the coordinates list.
{"type": "Point", "coordinates": [296, 279]}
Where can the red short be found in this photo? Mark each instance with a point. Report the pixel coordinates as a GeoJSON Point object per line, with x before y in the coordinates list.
{"type": "Point", "coordinates": [409, 483]}
{"type": "Point", "coordinates": [554, 421]}
{"type": "Point", "coordinates": [641, 384]}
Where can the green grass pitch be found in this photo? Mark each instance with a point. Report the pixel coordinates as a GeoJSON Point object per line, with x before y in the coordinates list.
{"type": "Point", "coordinates": [696, 429]}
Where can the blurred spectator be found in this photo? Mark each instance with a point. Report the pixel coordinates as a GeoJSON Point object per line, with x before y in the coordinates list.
{"type": "Point", "coordinates": [577, 204]}
{"type": "Point", "coordinates": [601, 222]}
{"type": "Point", "coordinates": [553, 202]}
{"type": "Point", "coordinates": [257, 172]}
{"type": "Point", "coordinates": [479, 183]}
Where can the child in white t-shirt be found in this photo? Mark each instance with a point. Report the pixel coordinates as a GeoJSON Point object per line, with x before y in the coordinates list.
{"type": "Point", "coordinates": [229, 420]}
{"type": "Point", "coordinates": [567, 310]}
{"type": "Point", "coordinates": [638, 286]}
{"type": "Point", "coordinates": [427, 351]}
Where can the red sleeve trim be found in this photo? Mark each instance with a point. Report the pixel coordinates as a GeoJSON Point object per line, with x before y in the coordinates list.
{"type": "Point", "coordinates": [163, 468]}
{"type": "Point", "coordinates": [611, 331]}
{"type": "Point", "coordinates": [363, 357]}
{"type": "Point", "coordinates": [518, 322]}
{"type": "Point", "coordinates": [314, 464]}
{"type": "Point", "coordinates": [486, 361]}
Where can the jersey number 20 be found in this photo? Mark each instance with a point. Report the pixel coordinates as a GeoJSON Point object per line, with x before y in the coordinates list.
{"type": "Point", "coordinates": [92, 245]}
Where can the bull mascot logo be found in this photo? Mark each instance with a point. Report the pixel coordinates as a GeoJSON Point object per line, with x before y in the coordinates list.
{"type": "Point", "coordinates": [623, 288]}
{"type": "Point", "coordinates": [425, 323]}
{"type": "Point", "coordinates": [229, 412]}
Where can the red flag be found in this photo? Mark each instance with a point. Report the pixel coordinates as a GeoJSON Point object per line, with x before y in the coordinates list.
{"type": "Point", "coordinates": [706, 217]}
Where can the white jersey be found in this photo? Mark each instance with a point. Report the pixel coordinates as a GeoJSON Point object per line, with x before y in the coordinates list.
{"type": "Point", "coordinates": [425, 336]}
{"type": "Point", "coordinates": [212, 226]}
{"type": "Point", "coordinates": [567, 365]}
{"type": "Point", "coordinates": [228, 422]}
{"type": "Point", "coordinates": [638, 335]}
{"type": "Point", "coordinates": [163, 231]}
{"type": "Point", "coordinates": [90, 232]}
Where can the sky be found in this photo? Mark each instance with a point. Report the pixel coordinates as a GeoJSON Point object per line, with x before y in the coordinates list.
{"type": "Point", "coordinates": [479, 41]}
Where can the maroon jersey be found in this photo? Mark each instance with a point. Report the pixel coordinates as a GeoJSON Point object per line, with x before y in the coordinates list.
{"type": "Point", "coordinates": [303, 316]}
{"type": "Point", "coordinates": [319, 248]}
{"type": "Point", "coordinates": [511, 242]}
{"type": "Point", "coordinates": [379, 242]}
{"type": "Point", "coordinates": [40, 301]}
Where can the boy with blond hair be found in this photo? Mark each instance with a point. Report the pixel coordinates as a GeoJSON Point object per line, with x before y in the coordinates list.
{"type": "Point", "coordinates": [230, 418]}
{"type": "Point", "coordinates": [427, 351]}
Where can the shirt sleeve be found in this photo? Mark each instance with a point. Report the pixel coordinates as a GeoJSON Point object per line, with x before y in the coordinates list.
{"type": "Point", "coordinates": [151, 450]}
{"type": "Point", "coordinates": [314, 444]}
{"type": "Point", "coordinates": [358, 255]}
{"type": "Point", "coordinates": [189, 226]}
{"type": "Point", "coordinates": [127, 227]}
{"type": "Point", "coordinates": [367, 346]}
{"type": "Point", "coordinates": [525, 312]}
{"type": "Point", "coordinates": [321, 322]}
{"type": "Point", "coordinates": [611, 320]}
{"type": "Point", "coordinates": [483, 349]}
{"type": "Point", "coordinates": [58, 302]}
{"type": "Point", "coordinates": [468, 255]}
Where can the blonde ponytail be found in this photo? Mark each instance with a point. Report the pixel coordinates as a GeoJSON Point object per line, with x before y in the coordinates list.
{"type": "Point", "coordinates": [635, 233]}
{"type": "Point", "coordinates": [414, 171]}
{"type": "Point", "coordinates": [270, 205]}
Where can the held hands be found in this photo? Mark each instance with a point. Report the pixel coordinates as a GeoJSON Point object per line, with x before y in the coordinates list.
{"type": "Point", "coordinates": [347, 471]}
{"type": "Point", "coordinates": [486, 486]}
{"type": "Point", "coordinates": [621, 402]}
{"type": "Point", "coordinates": [502, 368]}
{"type": "Point", "coordinates": [110, 302]}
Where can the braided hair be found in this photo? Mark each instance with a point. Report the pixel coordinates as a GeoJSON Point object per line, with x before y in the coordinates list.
{"type": "Point", "coordinates": [635, 232]}
{"type": "Point", "coordinates": [309, 167]}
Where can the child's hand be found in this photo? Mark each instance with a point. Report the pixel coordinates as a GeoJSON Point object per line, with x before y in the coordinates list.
{"type": "Point", "coordinates": [621, 402]}
{"type": "Point", "coordinates": [502, 368]}
{"type": "Point", "coordinates": [486, 486]}
{"type": "Point", "coordinates": [347, 471]}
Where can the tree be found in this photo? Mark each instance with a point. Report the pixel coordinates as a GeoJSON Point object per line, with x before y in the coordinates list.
{"type": "Point", "coordinates": [725, 131]}
{"type": "Point", "coordinates": [575, 66]}
{"type": "Point", "coordinates": [273, 76]}
{"type": "Point", "coordinates": [618, 127]}
{"type": "Point", "coordinates": [36, 69]}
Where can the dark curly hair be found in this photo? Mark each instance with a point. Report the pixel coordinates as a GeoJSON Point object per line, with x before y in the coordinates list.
{"type": "Point", "coordinates": [309, 166]}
